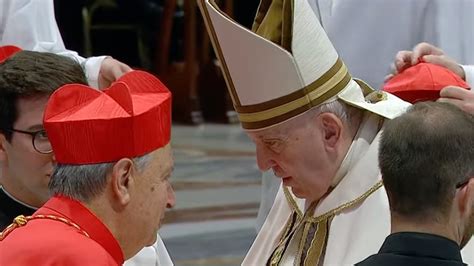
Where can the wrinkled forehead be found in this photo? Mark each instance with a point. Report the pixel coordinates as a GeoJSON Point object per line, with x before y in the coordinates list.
{"type": "Point", "coordinates": [279, 131]}
{"type": "Point", "coordinates": [165, 156]}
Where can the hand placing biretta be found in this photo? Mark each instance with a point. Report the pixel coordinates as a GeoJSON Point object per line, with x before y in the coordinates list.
{"type": "Point", "coordinates": [422, 82]}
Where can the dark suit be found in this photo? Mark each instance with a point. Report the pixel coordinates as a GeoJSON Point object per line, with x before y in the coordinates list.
{"type": "Point", "coordinates": [10, 208]}
{"type": "Point", "coordinates": [409, 248]}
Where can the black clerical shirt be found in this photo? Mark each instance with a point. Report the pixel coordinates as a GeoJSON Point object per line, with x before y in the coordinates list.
{"type": "Point", "coordinates": [410, 248]}
{"type": "Point", "coordinates": [10, 208]}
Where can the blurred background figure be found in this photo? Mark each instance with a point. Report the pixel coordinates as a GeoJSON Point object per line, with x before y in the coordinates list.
{"type": "Point", "coordinates": [367, 33]}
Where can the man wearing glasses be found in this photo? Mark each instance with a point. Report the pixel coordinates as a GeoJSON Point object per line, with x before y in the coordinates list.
{"type": "Point", "coordinates": [27, 79]}
{"type": "Point", "coordinates": [427, 165]}
{"type": "Point", "coordinates": [25, 152]}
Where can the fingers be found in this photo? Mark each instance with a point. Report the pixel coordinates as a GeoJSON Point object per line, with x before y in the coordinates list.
{"type": "Point", "coordinates": [423, 49]}
{"type": "Point", "coordinates": [116, 69]}
{"type": "Point", "coordinates": [460, 97]}
{"type": "Point", "coordinates": [403, 59]}
{"type": "Point", "coordinates": [110, 71]}
{"type": "Point", "coordinates": [388, 77]}
{"type": "Point", "coordinates": [463, 105]}
{"type": "Point", "coordinates": [456, 93]}
{"type": "Point", "coordinates": [115, 72]}
{"type": "Point", "coordinates": [125, 68]}
{"type": "Point", "coordinates": [456, 102]}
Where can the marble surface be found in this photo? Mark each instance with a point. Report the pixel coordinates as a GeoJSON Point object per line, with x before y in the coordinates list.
{"type": "Point", "coordinates": [217, 185]}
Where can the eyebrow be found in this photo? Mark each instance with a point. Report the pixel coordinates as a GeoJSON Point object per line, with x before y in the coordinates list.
{"type": "Point", "coordinates": [36, 127]}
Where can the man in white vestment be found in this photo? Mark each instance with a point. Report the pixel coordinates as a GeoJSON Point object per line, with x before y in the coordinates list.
{"type": "Point", "coordinates": [315, 128]}
{"type": "Point", "coordinates": [367, 33]}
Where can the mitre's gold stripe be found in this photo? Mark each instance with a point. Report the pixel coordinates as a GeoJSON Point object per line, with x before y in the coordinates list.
{"type": "Point", "coordinates": [281, 114]}
{"type": "Point", "coordinates": [254, 108]}
{"type": "Point", "coordinates": [312, 95]}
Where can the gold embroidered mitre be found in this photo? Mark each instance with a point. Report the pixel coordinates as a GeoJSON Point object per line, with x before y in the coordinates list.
{"type": "Point", "coordinates": [284, 68]}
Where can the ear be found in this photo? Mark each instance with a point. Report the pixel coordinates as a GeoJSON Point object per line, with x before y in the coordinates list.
{"type": "Point", "coordinates": [3, 152]}
{"type": "Point", "coordinates": [331, 127]}
{"type": "Point", "coordinates": [465, 199]}
{"type": "Point", "coordinates": [122, 181]}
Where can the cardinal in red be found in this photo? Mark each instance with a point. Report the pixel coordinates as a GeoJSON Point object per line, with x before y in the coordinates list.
{"type": "Point", "coordinates": [110, 186]}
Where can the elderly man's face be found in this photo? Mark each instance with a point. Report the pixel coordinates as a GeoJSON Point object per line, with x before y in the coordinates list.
{"type": "Point", "coordinates": [26, 172]}
{"type": "Point", "coordinates": [296, 153]}
{"type": "Point", "coordinates": [155, 193]}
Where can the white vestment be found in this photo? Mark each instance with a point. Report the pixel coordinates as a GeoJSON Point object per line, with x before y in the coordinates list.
{"type": "Point", "coordinates": [357, 231]}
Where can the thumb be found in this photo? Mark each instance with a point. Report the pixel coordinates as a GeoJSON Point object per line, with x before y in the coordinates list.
{"type": "Point", "coordinates": [436, 60]}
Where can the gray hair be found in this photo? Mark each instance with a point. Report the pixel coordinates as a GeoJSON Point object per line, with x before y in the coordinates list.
{"type": "Point", "coordinates": [84, 182]}
{"type": "Point", "coordinates": [349, 115]}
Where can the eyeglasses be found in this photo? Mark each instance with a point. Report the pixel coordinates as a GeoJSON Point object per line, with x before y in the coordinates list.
{"type": "Point", "coordinates": [39, 140]}
{"type": "Point", "coordinates": [463, 183]}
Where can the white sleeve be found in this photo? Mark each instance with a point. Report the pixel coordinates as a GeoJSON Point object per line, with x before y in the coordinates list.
{"type": "Point", "coordinates": [469, 73]}
{"type": "Point", "coordinates": [31, 25]}
{"type": "Point", "coordinates": [155, 255]}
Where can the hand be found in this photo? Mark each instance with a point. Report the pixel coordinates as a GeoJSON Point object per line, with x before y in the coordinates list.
{"type": "Point", "coordinates": [430, 54]}
{"type": "Point", "coordinates": [461, 97]}
{"type": "Point", "coordinates": [110, 71]}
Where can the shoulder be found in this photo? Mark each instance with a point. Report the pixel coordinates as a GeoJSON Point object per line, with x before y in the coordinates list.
{"type": "Point", "coordinates": [374, 260]}
{"type": "Point", "coordinates": [83, 253]}
{"type": "Point", "coordinates": [52, 247]}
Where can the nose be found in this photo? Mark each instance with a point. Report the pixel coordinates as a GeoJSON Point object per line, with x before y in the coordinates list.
{"type": "Point", "coordinates": [264, 161]}
{"type": "Point", "coordinates": [171, 201]}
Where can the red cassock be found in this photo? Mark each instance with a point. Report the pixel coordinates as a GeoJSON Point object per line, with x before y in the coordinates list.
{"type": "Point", "coordinates": [64, 232]}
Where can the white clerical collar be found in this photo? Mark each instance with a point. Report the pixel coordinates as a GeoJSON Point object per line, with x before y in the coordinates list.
{"type": "Point", "coordinates": [17, 200]}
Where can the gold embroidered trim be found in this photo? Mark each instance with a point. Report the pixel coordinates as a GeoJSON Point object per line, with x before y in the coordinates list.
{"type": "Point", "coordinates": [346, 205]}
{"type": "Point", "coordinates": [318, 243]}
{"type": "Point", "coordinates": [296, 107]}
{"type": "Point", "coordinates": [304, 238]}
{"type": "Point", "coordinates": [315, 89]}
{"type": "Point", "coordinates": [317, 246]}
{"type": "Point", "coordinates": [289, 229]}
{"type": "Point", "coordinates": [291, 201]}
{"type": "Point", "coordinates": [22, 220]}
